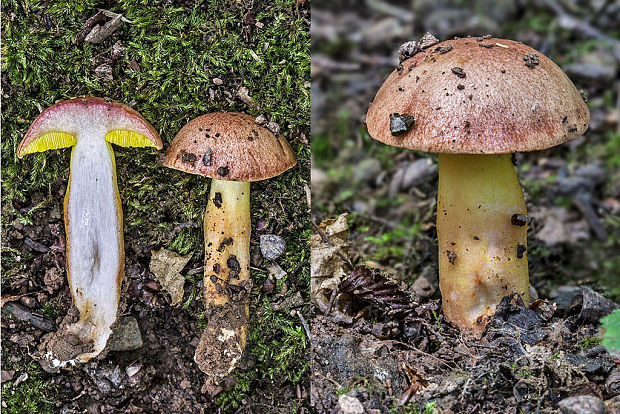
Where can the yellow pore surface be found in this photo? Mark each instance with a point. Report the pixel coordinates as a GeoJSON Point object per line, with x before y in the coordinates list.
{"type": "Point", "coordinates": [56, 140]}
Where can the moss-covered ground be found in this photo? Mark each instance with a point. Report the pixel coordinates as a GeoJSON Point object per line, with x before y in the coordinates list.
{"type": "Point", "coordinates": [170, 54]}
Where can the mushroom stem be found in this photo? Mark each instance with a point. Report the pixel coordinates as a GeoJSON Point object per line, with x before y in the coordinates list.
{"type": "Point", "coordinates": [95, 254]}
{"type": "Point", "coordinates": [482, 254]}
{"type": "Point", "coordinates": [226, 277]}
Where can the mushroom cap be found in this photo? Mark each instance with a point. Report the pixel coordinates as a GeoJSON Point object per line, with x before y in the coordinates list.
{"type": "Point", "coordinates": [68, 118]}
{"type": "Point", "coordinates": [229, 146]}
{"type": "Point", "coordinates": [481, 96]}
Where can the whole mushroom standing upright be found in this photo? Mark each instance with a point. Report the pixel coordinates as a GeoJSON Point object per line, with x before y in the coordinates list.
{"type": "Point", "coordinates": [233, 150]}
{"type": "Point", "coordinates": [475, 101]}
{"type": "Point", "coordinates": [92, 208]}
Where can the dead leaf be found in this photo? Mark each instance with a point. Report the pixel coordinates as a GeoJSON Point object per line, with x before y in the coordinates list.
{"type": "Point", "coordinates": [93, 32]}
{"type": "Point", "coordinates": [327, 264]}
{"type": "Point", "coordinates": [166, 266]}
{"type": "Point", "coordinates": [417, 383]}
{"type": "Point", "coordinates": [244, 95]}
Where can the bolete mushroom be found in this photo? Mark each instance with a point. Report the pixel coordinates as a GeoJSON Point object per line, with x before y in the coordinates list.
{"type": "Point", "coordinates": [475, 101]}
{"type": "Point", "coordinates": [92, 207]}
{"type": "Point", "coordinates": [233, 150]}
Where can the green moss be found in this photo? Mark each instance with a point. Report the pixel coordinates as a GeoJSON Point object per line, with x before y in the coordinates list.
{"type": "Point", "coordinates": [34, 395]}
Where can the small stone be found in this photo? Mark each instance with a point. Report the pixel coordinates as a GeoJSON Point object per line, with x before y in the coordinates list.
{"type": "Point", "coordinates": [276, 271]}
{"type": "Point", "coordinates": [350, 405]}
{"type": "Point", "coordinates": [261, 225]}
{"type": "Point", "coordinates": [7, 375]}
{"type": "Point", "coordinates": [268, 286]}
{"type": "Point", "coordinates": [272, 246]}
{"type": "Point", "coordinates": [133, 369]}
{"type": "Point", "coordinates": [126, 335]}
{"type": "Point", "coordinates": [260, 120]}
{"type": "Point", "coordinates": [582, 404]}
{"type": "Point", "coordinates": [222, 171]}
{"type": "Point", "coordinates": [273, 127]}
{"type": "Point", "coordinates": [218, 81]}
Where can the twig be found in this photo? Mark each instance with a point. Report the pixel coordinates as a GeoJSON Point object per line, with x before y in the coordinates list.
{"type": "Point", "coordinates": [322, 234]}
{"type": "Point", "coordinates": [332, 299]}
{"type": "Point", "coordinates": [421, 352]}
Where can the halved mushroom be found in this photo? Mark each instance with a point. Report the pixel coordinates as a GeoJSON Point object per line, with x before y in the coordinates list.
{"type": "Point", "coordinates": [92, 207]}
{"type": "Point", "coordinates": [233, 150]}
{"type": "Point", "coordinates": [476, 101]}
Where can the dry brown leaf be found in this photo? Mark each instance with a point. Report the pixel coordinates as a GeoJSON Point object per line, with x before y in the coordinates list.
{"type": "Point", "coordinates": [327, 264]}
{"type": "Point", "coordinates": [166, 266]}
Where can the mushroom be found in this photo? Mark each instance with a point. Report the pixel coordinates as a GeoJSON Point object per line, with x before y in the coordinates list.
{"type": "Point", "coordinates": [92, 207]}
{"type": "Point", "coordinates": [233, 150]}
{"type": "Point", "coordinates": [475, 102]}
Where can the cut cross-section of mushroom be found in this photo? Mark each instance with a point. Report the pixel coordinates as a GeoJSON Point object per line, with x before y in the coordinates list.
{"type": "Point", "coordinates": [233, 150]}
{"type": "Point", "coordinates": [92, 206]}
{"type": "Point", "coordinates": [475, 101]}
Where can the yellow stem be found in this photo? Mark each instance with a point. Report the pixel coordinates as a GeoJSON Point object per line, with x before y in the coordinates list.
{"type": "Point", "coordinates": [227, 283]}
{"type": "Point", "coordinates": [482, 255]}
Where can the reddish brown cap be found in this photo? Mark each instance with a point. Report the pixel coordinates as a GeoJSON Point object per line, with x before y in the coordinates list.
{"type": "Point", "coordinates": [477, 95]}
{"type": "Point", "coordinates": [229, 146]}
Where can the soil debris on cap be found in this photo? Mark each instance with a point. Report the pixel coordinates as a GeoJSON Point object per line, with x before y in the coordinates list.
{"type": "Point", "coordinates": [226, 242]}
{"type": "Point", "coordinates": [188, 157]}
{"type": "Point", "coordinates": [443, 49]}
{"type": "Point", "coordinates": [400, 123]}
{"type": "Point", "coordinates": [427, 41]}
{"type": "Point", "coordinates": [223, 171]}
{"type": "Point", "coordinates": [407, 50]}
{"type": "Point", "coordinates": [460, 86]}
{"type": "Point", "coordinates": [233, 264]}
{"type": "Point", "coordinates": [487, 45]}
{"type": "Point", "coordinates": [531, 59]}
{"type": "Point", "coordinates": [520, 250]}
{"type": "Point", "coordinates": [206, 159]}
{"type": "Point", "coordinates": [458, 72]}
